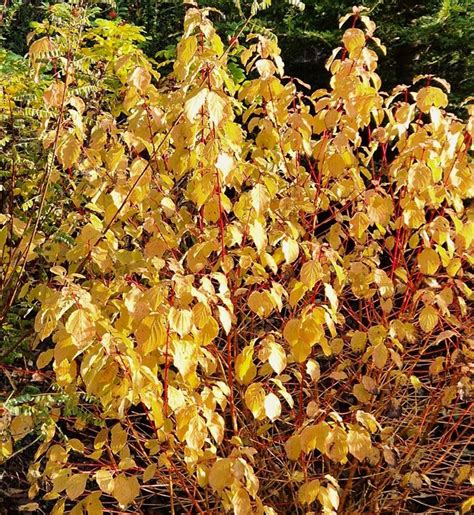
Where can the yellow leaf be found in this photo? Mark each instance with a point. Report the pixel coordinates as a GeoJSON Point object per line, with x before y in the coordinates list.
{"type": "Point", "coordinates": [241, 502]}
{"type": "Point", "coordinates": [337, 445]}
{"type": "Point", "coordinates": [292, 331]}
{"type": "Point", "coordinates": [185, 357]}
{"type": "Point", "coordinates": [359, 224]}
{"type": "Point", "coordinates": [44, 358]}
{"type": "Point", "coordinates": [449, 394]}
{"type": "Point", "coordinates": [417, 384]}
{"type": "Point", "coordinates": [30, 507]}
{"type": "Point", "coordinates": [201, 314]}
{"type": "Point", "coordinates": [140, 78]}
{"type": "Point", "coordinates": [430, 96]}
{"type": "Point", "coordinates": [260, 303]}
{"type": "Point", "coordinates": [377, 334]}
{"type": "Point", "coordinates": [428, 318]}
{"type": "Point", "coordinates": [315, 437]}
{"type": "Point", "coordinates": [277, 357]}
{"type": "Point", "coordinates": [272, 406]}
{"type": "Point", "coordinates": [180, 320]}
{"type": "Point", "coordinates": [465, 472]}
{"type": "Point", "coordinates": [300, 351]}
{"type": "Point", "coordinates": [114, 157]}
{"type": "Point", "coordinates": [225, 164]}
{"type": "Point", "coordinates": [358, 341]}
{"type": "Point", "coordinates": [265, 68]}
{"type": "Point", "coordinates": [245, 370]}
{"type": "Point", "coordinates": [360, 393]}
{"type": "Point", "coordinates": [41, 47]}
{"type": "Point", "coordinates": [353, 39]}
{"type": "Point", "coordinates": [193, 106]}
{"type": "Point", "coordinates": [151, 334]}
{"type": "Point", "coordinates": [293, 447]}
{"type": "Point", "coordinates": [57, 454]}
{"type": "Point", "coordinates": [76, 485]}
{"type": "Point", "coordinates": [254, 400]}
{"type": "Point", "coordinates": [221, 475]}
{"type": "Point", "coordinates": [216, 105]}
{"type": "Point", "coordinates": [105, 480]}
{"type": "Point", "coordinates": [329, 498]}
{"type": "Point", "coordinates": [93, 504]}
{"type": "Point", "coordinates": [313, 370]}
{"type": "Point", "coordinates": [428, 261]}
{"type": "Point", "coordinates": [186, 49]}
{"type": "Point", "coordinates": [437, 366]}
{"type": "Point", "coordinates": [100, 438]}
{"type": "Point", "coordinates": [76, 445]}
{"type": "Point", "coordinates": [453, 267]}
{"type": "Point", "coordinates": [80, 326]}
{"type": "Point", "coordinates": [309, 492]}
{"type": "Point", "coordinates": [258, 235]}
{"type": "Point", "coordinates": [297, 293]}
{"type": "Point", "coordinates": [196, 433]}
{"type": "Point", "coordinates": [367, 420]}
{"type": "Point", "coordinates": [359, 443]}
{"type": "Point", "coordinates": [216, 426]}
{"type": "Point", "coordinates": [260, 199]}
{"type": "Point", "coordinates": [149, 472]}
{"type": "Point", "coordinates": [58, 508]}
{"type": "Point", "coordinates": [69, 150]}
{"type": "Point", "coordinates": [467, 505]}
{"type": "Point", "coordinates": [311, 272]}
{"type": "Point", "coordinates": [332, 296]}
{"type": "Point", "coordinates": [419, 177]}
{"type": "Point", "coordinates": [290, 250]}
{"type": "Point", "coordinates": [336, 165]}
{"type": "Point", "coordinates": [210, 331]}
{"type": "Point", "coordinates": [20, 426]}
{"type": "Point", "coordinates": [54, 94]}
{"type": "Point", "coordinates": [380, 355]}
{"type": "Point", "coordinates": [225, 318]}
{"type": "Point", "coordinates": [6, 448]}
{"type": "Point", "coordinates": [126, 489]}
{"type": "Point", "coordinates": [312, 329]}
{"type": "Point", "coordinates": [118, 438]}
{"type": "Point", "coordinates": [379, 209]}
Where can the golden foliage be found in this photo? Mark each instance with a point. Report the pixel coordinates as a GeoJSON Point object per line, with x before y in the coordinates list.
{"type": "Point", "coordinates": [254, 272]}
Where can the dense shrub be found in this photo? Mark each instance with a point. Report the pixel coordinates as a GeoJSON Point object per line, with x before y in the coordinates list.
{"type": "Point", "coordinates": [252, 297]}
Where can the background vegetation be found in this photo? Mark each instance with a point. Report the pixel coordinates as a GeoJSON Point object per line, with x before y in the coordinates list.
{"type": "Point", "coordinates": [430, 36]}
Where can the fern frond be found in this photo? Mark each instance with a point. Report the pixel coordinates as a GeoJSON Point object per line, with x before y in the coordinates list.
{"type": "Point", "coordinates": [265, 4]}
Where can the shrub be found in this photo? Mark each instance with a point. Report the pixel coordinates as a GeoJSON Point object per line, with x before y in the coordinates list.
{"type": "Point", "coordinates": [260, 298]}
